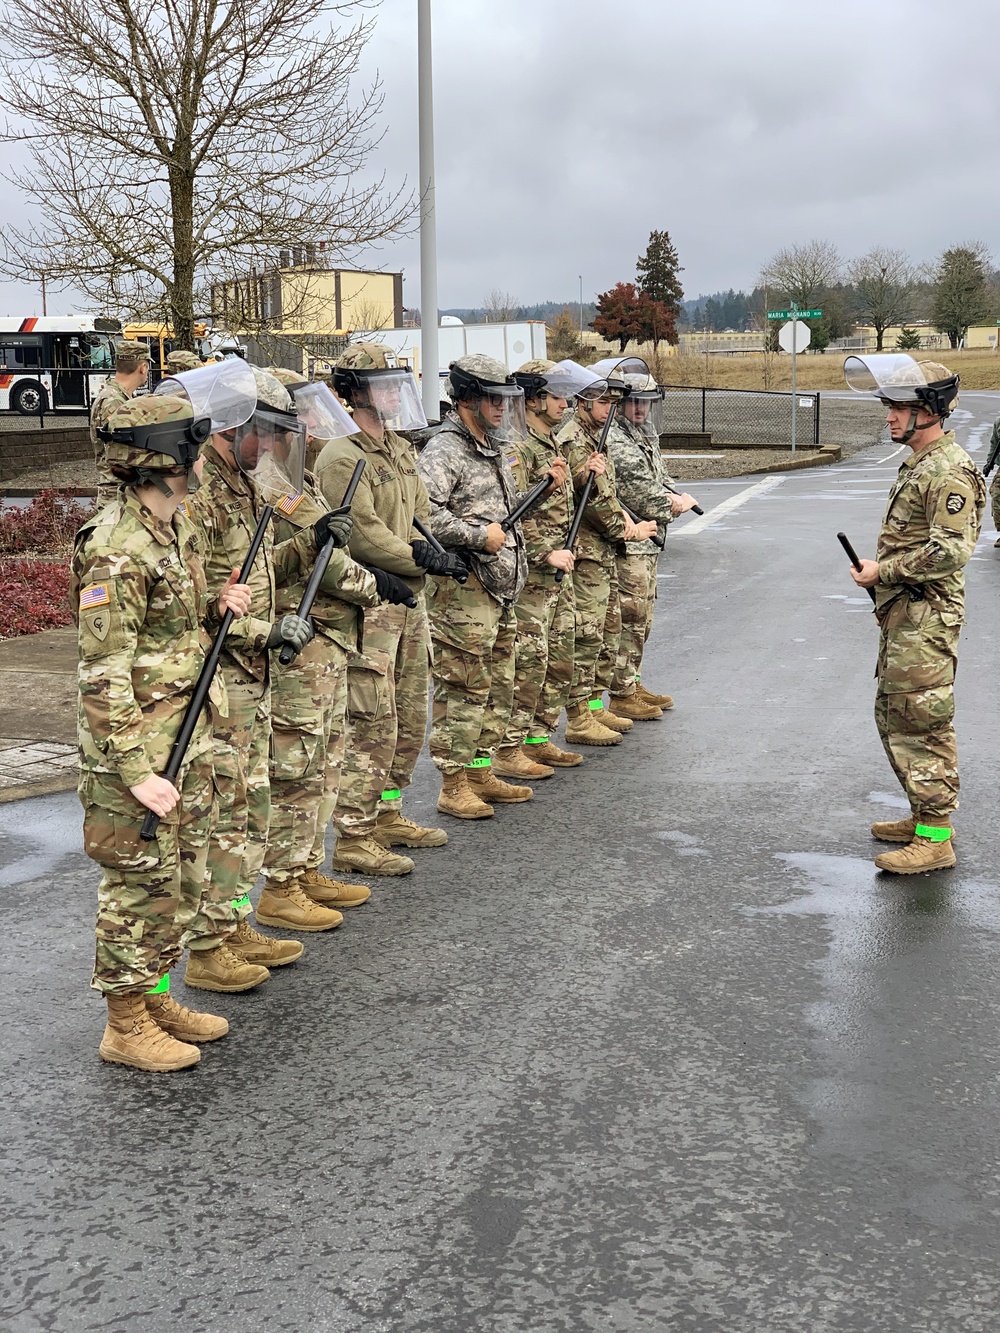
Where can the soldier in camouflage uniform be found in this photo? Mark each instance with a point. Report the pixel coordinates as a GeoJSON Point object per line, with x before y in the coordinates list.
{"type": "Point", "coordinates": [226, 953]}
{"type": "Point", "coordinates": [546, 609]}
{"type": "Point", "coordinates": [387, 680]}
{"type": "Point", "coordinates": [929, 531]}
{"type": "Point", "coordinates": [309, 699]}
{"type": "Point", "coordinates": [143, 605]}
{"type": "Point", "coordinates": [595, 576]}
{"type": "Point", "coordinates": [645, 486]}
{"type": "Point", "coordinates": [131, 373]}
{"type": "Point", "coordinates": [467, 469]}
{"type": "Point", "coordinates": [992, 458]}
{"type": "Point", "coordinates": [179, 361]}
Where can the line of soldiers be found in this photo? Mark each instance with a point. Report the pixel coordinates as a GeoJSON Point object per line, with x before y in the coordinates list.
{"type": "Point", "coordinates": [427, 567]}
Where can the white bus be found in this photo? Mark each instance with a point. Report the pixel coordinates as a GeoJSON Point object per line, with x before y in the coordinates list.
{"type": "Point", "coordinates": [54, 362]}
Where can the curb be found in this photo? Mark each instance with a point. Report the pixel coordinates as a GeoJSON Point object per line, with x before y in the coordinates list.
{"type": "Point", "coordinates": [20, 791]}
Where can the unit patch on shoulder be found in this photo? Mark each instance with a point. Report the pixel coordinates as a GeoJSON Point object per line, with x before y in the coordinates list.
{"type": "Point", "coordinates": [95, 594]}
{"type": "Point", "coordinates": [288, 504]}
{"type": "Point", "coordinates": [955, 503]}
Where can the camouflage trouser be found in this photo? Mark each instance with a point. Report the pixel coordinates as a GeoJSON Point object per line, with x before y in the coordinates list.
{"type": "Point", "coordinates": [151, 890]}
{"type": "Point", "coordinates": [995, 498]}
{"type": "Point", "coordinates": [240, 758]}
{"type": "Point", "coordinates": [598, 626]}
{"type": "Point", "coordinates": [543, 656]}
{"type": "Point", "coordinates": [915, 706]}
{"type": "Point", "coordinates": [473, 640]}
{"type": "Point", "coordinates": [387, 684]}
{"type": "Point", "coordinates": [308, 733]}
{"type": "Point", "coordinates": [637, 594]}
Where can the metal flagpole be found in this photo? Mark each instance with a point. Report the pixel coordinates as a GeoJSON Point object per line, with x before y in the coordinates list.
{"type": "Point", "coordinates": [430, 384]}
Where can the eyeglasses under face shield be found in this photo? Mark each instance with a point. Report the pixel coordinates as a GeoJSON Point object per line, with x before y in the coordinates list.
{"type": "Point", "coordinates": [270, 449]}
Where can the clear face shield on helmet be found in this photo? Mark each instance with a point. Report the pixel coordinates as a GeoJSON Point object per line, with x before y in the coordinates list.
{"type": "Point", "coordinates": [392, 396]}
{"type": "Point", "coordinates": [321, 412]}
{"type": "Point", "coordinates": [270, 449]}
{"type": "Point", "coordinates": [499, 411]}
{"type": "Point", "coordinates": [643, 404]}
{"type": "Point", "coordinates": [890, 375]}
{"type": "Point", "coordinates": [568, 380]}
{"type": "Point", "coordinates": [225, 392]}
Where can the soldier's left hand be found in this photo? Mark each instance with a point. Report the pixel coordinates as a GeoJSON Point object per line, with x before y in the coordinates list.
{"type": "Point", "coordinates": [867, 575]}
{"type": "Point", "coordinates": [557, 471]}
{"type": "Point", "coordinates": [235, 596]}
{"type": "Point", "coordinates": [336, 526]}
{"type": "Point", "coordinates": [597, 464]}
{"type": "Point", "coordinates": [680, 504]}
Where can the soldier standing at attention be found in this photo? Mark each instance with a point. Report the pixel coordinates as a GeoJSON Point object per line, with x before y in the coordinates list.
{"type": "Point", "coordinates": [546, 609]}
{"type": "Point", "coordinates": [467, 469]}
{"type": "Point", "coordinates": [929, 531]}
{"type": "Point", "coordinates": [143, 602]}
{"type": "Point", "coordinates": [131, 373]}
{"type": "Point", "coordinates": [388, 680]}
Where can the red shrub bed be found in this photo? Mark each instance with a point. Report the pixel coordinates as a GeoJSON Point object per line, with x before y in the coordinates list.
{"type": "Point", "coordinates": [46, 526]}
{"type": "Point", "coordinates": [34, 596]}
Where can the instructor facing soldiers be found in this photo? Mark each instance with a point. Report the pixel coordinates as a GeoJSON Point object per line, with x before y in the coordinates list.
{"type": "Point", "coordinates": [929, 532]}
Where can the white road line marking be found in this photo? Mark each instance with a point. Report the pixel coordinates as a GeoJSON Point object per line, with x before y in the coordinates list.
{"type": "Point", "coordinates": [727, 506]}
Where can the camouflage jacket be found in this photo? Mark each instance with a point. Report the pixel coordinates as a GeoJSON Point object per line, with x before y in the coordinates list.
{"type": "Point", "coordinates": [110, 397]}
{"type": "Point", "coordinates": [345, 587]}
{"type": "Point", "coordinates": [225, 509]}
{"type": "Point", "coordinates": [469, 485]}
{"type": "Point", "coordinates": [641, 478]}
{"type": "Point", "coordinates": [603, 522]}
{"type": "Point", "coordinates": [545, 528]}
{"type": "Point", "coordinates": [141, 598]}
{"type": "Point", "coordinates": [930, 528]}
{"type": "Point", "coordinates": [388, 496]}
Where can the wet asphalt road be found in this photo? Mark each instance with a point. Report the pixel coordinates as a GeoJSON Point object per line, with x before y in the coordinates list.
{"type": "Point", "coordinates": [658, 1051]}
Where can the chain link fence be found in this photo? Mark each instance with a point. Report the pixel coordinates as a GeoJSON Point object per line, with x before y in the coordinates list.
{"type": "Point", "coordinates": [753, 417]}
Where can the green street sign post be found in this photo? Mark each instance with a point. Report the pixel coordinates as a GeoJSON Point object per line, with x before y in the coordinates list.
{"type": "Point", "coordinates": [800, 314]}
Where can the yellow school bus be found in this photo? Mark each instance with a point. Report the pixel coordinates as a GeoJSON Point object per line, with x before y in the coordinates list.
{"type": "Point", "coordinates": [159, 338]}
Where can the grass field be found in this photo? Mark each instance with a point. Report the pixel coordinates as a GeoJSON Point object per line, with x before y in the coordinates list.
{"type": "Point", "coordinates": [978, 369]}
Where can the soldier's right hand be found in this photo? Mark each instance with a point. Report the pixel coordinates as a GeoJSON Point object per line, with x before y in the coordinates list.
{"type": "Point", "coordinates": [495, 538]}
{"type": "Point", "coordinates": [156, 794]}
{"type": "Point", "coordinates": [235, 596]}
{"type": "Point", "coordinates": [291, 629]}
{"type": "Point", "coordinates": [335, 526]}
{"type": "Point", "coordinates": [597, 464]}
{"type": "Point", "coordinates": [427, 557]}
{"type": "Point", "coordinates": [564, 560]}
{"type": "Point", "coordinates": [393, 589]}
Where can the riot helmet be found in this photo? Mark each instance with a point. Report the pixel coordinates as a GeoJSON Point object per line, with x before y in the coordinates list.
{"type": "Point", "coordinates": [493, 398]}
{"type": "Point", "coordinates": [369, 380]}
{"type": "Point", "coordinates": [149, 438]}
{"type": "Point", "coordinates": [897, 380]}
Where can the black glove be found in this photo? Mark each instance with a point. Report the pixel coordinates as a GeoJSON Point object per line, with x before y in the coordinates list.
{"type": "Point", "coordinates": [291, 629]}
{"type": "Point", "coordinates": [429, 557]}
{"type": "Point", "coordinates": [335, 525]}
{"type": "Point", "coordinates": [391, 588]}
{"type": "Point", "coordinates": [457, 568]}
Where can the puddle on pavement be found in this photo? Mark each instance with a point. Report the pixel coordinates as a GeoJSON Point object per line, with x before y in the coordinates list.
{"type": "Point", "coordinates": [35, 835]}
{"type": "Point", "coordinates": [684, 844]}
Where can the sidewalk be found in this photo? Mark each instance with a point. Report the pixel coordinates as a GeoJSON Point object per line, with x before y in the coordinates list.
{"type": "Point", "coordinates": [38, 714]}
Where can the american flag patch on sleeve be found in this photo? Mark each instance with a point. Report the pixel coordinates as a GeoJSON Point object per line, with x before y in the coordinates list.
{"type": "Point", "coordinates": [96, 594]}
{"type": "Point", "coordinates": [290, 502]}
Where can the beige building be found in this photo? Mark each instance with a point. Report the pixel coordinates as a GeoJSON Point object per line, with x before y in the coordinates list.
{"type": "Point", "coordinates": [303, 309]}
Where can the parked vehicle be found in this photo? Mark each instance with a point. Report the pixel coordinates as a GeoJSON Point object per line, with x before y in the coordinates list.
{"type": "Point", "coordinates": [54, 362]}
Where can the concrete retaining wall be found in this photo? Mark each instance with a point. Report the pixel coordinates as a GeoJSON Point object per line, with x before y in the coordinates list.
{"type": "Point", "coordinates": [28, 450]}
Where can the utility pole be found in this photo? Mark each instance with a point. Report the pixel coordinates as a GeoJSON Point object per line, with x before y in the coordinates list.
{"type": "Point", "coordinates": [45, 308]}
{"type": "Point", "coordinates": [430, 382]}
{"type": "Point", "coordinates": [580, 276]}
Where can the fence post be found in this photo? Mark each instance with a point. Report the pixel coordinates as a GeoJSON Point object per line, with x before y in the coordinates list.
{"type": "Point", "coordinates": [703, 391]}
{"type": "Point", "coordinates": [816, 422]}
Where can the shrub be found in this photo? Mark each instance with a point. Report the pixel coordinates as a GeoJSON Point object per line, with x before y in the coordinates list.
{"type": "Point", "coordinates": [35, 596]}
{"type": "Point", "coordinates": [46, 526]}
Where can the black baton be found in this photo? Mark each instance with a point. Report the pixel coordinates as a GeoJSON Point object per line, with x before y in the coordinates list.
{"type": "Point", "coordinates": [323, 557]}
{"type": "Point", "coordinates": [852, 555]}
{"type": "Point", "coordinates": [588, 486]}
{"type": "Point", "coordinates": [660, 539]}
{"type": "Point", "coordinates": [429, 537]}
{"type": "Point", "coordinates": [204, 682]}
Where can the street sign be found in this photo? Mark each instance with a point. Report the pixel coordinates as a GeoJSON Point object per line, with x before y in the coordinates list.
{"type": "Point", "coordinates": [794, 336]}
{"type": "Point", "coordinates": [800, 314]}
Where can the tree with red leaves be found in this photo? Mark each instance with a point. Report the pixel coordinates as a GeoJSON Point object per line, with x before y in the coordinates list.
{"type": "Point", "coordinates": [619, 317]}
{"type": "Point", "coordinates": [657, 322]}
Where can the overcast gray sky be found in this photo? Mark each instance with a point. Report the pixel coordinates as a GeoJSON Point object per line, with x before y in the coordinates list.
{"type": "Point", "coordinates": [567, 130]}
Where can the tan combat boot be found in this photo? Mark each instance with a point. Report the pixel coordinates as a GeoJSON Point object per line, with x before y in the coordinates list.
{"type": "Point", "coordinates": [393, 829]}
{"type": "Point", "coordinates": [458, 799]}
{"type": "Point", "coordinates": [222, 969]}
{"type": "Point", "coordinates": [332, 892]}
{"type": "Point", "coordinates": [582, 728]}
{"type": "Point", "coordinates": [513, 762]}
{"type": "Point", "coordinates": [663, 701]}
{"type": "Point", "coordinates": [488, 787]}
{"type": "Point", "coordinates": [928, 851]}
{"type": "Point", "coordinates": [366, 856]}
{"type": "Point", "coordinates": [606, 719]}
{"type": "Point", "coordinates": [265, 950]}
{"type": "Point", "coordinates": [287, 906]}
{"type": "Point", "coordinates": [132, 1038]}
{"type": "Point", "coordinates": [631, 706]}
{"type": "Point", "coordinates": [895, 830]}
{"type": "Point", "coordinates": [546, 752]}
{"type": "Point", "coordinates": [184, 1024]}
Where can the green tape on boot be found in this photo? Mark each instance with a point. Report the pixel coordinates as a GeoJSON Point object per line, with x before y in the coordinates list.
{"type": "Point", "coordinates": [933, 834]}
{"type": "Point", "coordinates": [162, 987]}
{"type": "Point", "coordinates": [535, 740]}
{"type": "Point", "coordinates": [391, 794]}
{"type": "Point", "coordinates": [596, 705]}
{"type": "Point", "coordinates": [482, 762]}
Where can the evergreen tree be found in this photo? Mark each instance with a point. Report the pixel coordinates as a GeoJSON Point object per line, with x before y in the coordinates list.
{"type": "Point", "coordinates": [962, 293]}
{"type": "Point", "coordinates": [563, 339]}
{"type": "Point", "coordinates": [908, 340]}
{"type": "Point", "coordinates": [657, 274]}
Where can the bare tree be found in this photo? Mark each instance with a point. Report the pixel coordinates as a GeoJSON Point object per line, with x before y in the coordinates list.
{"type": "Point", "coordinates": [802, 273]}
{"type": "Point", "coordinates": [883, 281]}
{"type": "Point", "coordinates": [500, 307]}
{"type": "Point", "coordinates": [177, 143]}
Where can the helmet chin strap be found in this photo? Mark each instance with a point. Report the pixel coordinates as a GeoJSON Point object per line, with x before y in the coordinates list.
{"type": "Point", "coordinates": [912, 427]}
